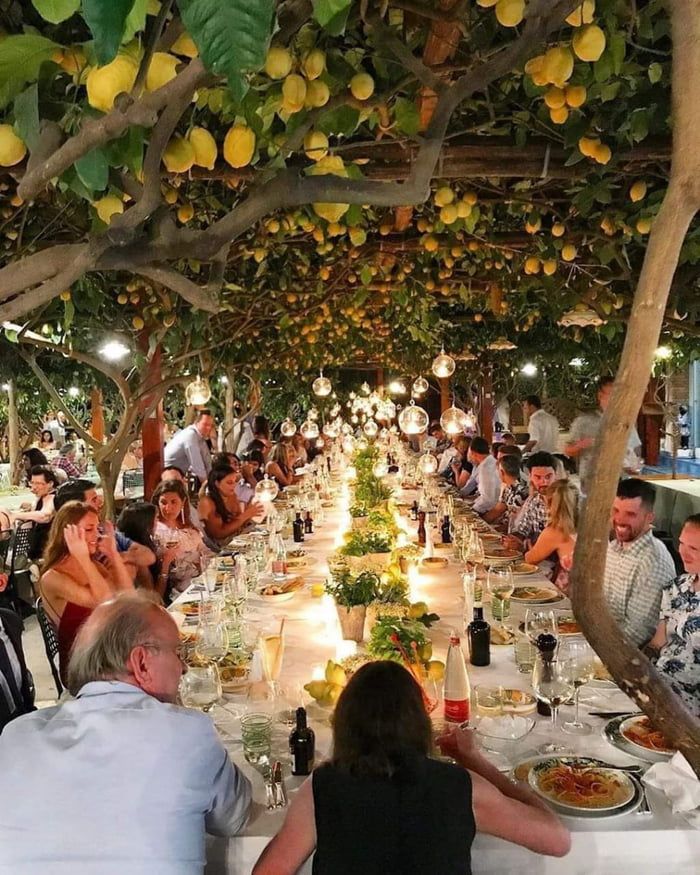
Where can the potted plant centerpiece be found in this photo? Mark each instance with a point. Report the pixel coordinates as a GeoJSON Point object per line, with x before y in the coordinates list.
{"type": "Point", "coordinates": [392, 597]}
{"type": "Point", "coordinates": [367, 550]}
{"type": "Point", "coordinates": [352, 593]}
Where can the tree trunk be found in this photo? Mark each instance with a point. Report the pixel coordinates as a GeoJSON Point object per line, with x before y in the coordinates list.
{"type": "Point", "coordinates": [108, 469]}
{"type": "Point", "coordinates": [628, 665]}
{"type": "Point", "coordinates": [229, 416]}
{"type": "Point", "coordinates": [13, 434]}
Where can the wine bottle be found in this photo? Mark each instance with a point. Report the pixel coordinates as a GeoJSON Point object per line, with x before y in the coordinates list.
{"type": "Point", "coordinates": [302, 744]}
{"type": "Point", "coordinates": [298, 529]}
{"type": "Point", "coordinates": [308, 524]}
{"type": "Point", "coordinates": [445, 530]}
{"type": "Point", "coordinates": [414, 511]}
{"type": "Point", "coordinates": [479, 633]}
{"type": "Point", "coordinates": [421, 528]}
{"type": "Point", "coordinates": [546, 644]}
{"type": "Point", "coordinates": [456, 688]}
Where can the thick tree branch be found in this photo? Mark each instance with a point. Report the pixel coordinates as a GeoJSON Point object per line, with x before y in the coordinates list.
{"type": "Point", "coordinates": [34, 269]}
{"type": "Point", "coordinates": [176, 282]}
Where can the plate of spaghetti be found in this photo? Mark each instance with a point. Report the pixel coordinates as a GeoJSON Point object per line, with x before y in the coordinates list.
{"type": "Point", "coordinates": [577, 787]}
{"type": "Point", "coordinates": [639, 732]}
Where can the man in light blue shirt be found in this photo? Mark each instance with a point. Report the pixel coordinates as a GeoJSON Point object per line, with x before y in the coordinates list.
{"type": "Point", "coordinates": [119, 780]}
{"type": "Point", "coordinates": [484, 477]}
{"type": "Point", "coordinates": [188, 449]}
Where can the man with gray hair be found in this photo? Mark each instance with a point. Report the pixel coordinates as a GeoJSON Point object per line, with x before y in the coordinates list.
{"type": "Point", "coordinates": [119, 779]}
{"type": "Point", "coordinates": [65, 461]}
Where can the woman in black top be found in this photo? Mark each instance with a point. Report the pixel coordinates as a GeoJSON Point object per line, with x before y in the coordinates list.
{"type": "Point", "coordinates": [381, 806]}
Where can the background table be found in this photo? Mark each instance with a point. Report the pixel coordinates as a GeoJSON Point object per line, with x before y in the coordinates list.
{"type": "Point", "coordinates": [675, 501]}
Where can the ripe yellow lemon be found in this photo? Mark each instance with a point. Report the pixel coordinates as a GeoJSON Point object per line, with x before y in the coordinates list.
{"type": "Point", "coordinates": [470, 197]}
{"type": "Point", "coordinates": [559, 116]}
{"type": "Point", "coordinates": [362, 86]}
{"type": "Point", "coordinates": [444, 196]}
{"type": "Point", "coordinates": [12, 149]}
{"type": "Point", "coordinates": [589, 42]}
{"type": "Point", "coordinates": [510, 13]}
{"type": "Point", "coordinates": [317, 94]}
{"type": "Point", "coordinates": [278, 63]}
{"type": "Point", "coordinates": [535, 70]}
{"type": "Point", "coordinates": [449, 214]}
{"type": "Point", "coordinates": [105, 83]}
{"type": "Point", "coordinates": [643, 226]}
{"type": "Point", "coordinates": [204, 146]}
{"type": "Point", "coordinates": [138, 323]}
{"type": "Point", "coordinates": [108, 206]}
{"type": "Point", "coordinates": [588, 145]}
{"type": "Point", "coordinates": [608, 226]}
{"type": "Point", "coordinates": [554, 97]}
{"type": "Point", "coordinates": [549, 266]}
{"type": "Point", "coordinates": [486, 3]}
{"type": "Point", "coordinates": [73, 60]}
{"type": "Point", "coordinates": [316, 145]}
{"type": "Point", "coordinates": [532, 265]}
{"type": "Point", "coordinates": [333, 165]}
{"type": "Point", "coordinates": [184, 45]}
{"type": "Point", "coordinates": [430, 244]}
{"type": "Point", "coordinates": [161, 70]}
{"type": "Point", "coordinates": [314, 64]}
{"type": "Point", "coordinates": [638, 190]}
{"type": "Point", "coordinates": [294, 92]}
{"type": "Point", "coordinates": [239, 146]}
{"type": "Point", "coordinates": [464, 210]}
{"type": "Point", "coordinates": [558, 229]}
{"type": "Point", "coordinates": [582, 14]}
{"type": "Point", "coordinates": [65, 296]}
{"type": "Point", "coordinates": [532, 227]}
{"type": "Point", "coordinates": [602, 153]}
{"type": "Point", "coordinates": [558, 65]}
{"type": "Point", "coordinates": [179, 155]}
{"type": "Point", "coordinates": [185, 213]}
{"type": "Point", "coordinates": [575, 95]}
{"type": "Point", "coordinates": [568, 252]}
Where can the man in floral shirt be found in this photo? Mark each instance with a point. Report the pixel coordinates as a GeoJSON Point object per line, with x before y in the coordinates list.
{"type": "Point", "coordinates": [677, 637]}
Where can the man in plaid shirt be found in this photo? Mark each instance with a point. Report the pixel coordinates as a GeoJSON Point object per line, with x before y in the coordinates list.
{"type": "Point", "coordinates": [638, 565]}
{"type": "Point", "coordinates": [533, 517]}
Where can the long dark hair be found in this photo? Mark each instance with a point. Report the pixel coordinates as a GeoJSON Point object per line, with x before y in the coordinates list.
{"type": "Point", "coordinates": [216, 475]}
{"type": "Point", "coordinates": [174, 486]}
{"type": "Point", "coordinates": [136, 523]}
{"type": "Point", "coordinates": [33, 457]}
{"type": "Point", "coordinates": [380, 721]}
{"type": "Point", "coordinates": [261, 426]}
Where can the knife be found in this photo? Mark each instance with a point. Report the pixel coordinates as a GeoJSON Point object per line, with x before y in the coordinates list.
{"type": "Point", "coordinates": [611, 714]}
{"type": "Point", "coordinates": [280, 794]}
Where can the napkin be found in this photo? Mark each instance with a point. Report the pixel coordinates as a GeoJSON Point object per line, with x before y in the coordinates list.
{"type": "Point", "coordinates": [680, 785]}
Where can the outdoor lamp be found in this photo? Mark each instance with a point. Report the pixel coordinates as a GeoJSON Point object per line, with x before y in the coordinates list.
{"type": "Point", "coordinates": [288, 428]}
{"type": "Point", "coordinates": [322, 386]}
{"type": "Point", "coordinates": [454, 420]}
{"type": "Point", "coordinates": [266, 489]}
{"type": "Point", "coordinates": [413, 419]}
{"type": "Point", "coordinates": [428, 463]}
{"type": "Point", "coordinates": [197, 392]}
{"type": "Point", "coordinates": [443, 365]}
{"type": "Point", "coordinates": [309, 429]}
{"type": "Point", "coordinates": [420, 386]}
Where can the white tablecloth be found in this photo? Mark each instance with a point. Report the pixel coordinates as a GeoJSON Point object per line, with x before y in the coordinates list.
{"type": "Point", "coordinates": [628, 844]}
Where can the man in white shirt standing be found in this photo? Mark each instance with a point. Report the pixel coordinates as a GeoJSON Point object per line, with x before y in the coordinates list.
{"type": "Point", "coordinates": [484, 477]}
{"type": "Point", "coordinates": [188, 449]}
{"type": "Point", "coordinates": [542, 427]}
{"type": "Point", "coordinates": [122, 780]}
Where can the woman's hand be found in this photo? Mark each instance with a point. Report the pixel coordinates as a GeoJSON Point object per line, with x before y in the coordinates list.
{"type": "Point", "coordinates": [460, 745]}
{"type": "Point", "coordinates": [253, 509]}
{"type": "Point", "coordinates": [108, 542]}
{"type": "Point", "coordinates": [76, 542]}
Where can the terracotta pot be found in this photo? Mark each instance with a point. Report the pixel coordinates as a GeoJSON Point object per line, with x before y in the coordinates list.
{"type": "Point", "coordinates": [352, 622]}
{"type": "Point", "coordinates": [359, 523]}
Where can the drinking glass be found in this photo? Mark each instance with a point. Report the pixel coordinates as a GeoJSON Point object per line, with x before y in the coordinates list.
{"type": "Point", "coordinates": [525, 652]}
{"type": "Point", "coordinates": [500, 585]}
{"type": "Point", "coordinates": [212, 639]}
{"type": "Point", "coordinates": [551, 684]}
{"type": "Point", "coordinates": [539, 622]}
{"type": "Point", "coordinates": [469, 591]}
{"type": "Point", "coordinates": [271, 645]}
{"type": "Point", "coordinates": [256, 735]}
{"type": "Point", "coordinates": [210, 577]}
{"type": "Point", "coordinates": [476, 548]}
{"type": "Point", "coordinates": [200, 687]}
{"type": "Point", "coordinates": [578, 663]}
{"type": "Point", "coordinates": [488, 701]}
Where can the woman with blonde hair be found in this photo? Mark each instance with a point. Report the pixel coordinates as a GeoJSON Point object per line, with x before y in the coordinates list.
{"type": "Point", "coordinates": [281, 464]}
{"type": "Point", "coordinates": [81, 568]}
{"type": "Point", "coordinates": [558, 538]}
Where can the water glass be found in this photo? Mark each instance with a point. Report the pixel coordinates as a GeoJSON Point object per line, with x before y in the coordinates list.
{"type": "Point", "coordinates": [525, 652]}
{"type": "Point", "coordinates": [256, 735]}
{"type": "Point", "coordinates": [551, 683]}
{"type": "Point", "coordinates": [578, 662]}
{"type": "Point", "coordinates": [200, 687]}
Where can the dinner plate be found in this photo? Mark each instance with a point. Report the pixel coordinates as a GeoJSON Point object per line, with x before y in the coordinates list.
{"type": "Point", "coordinates": [523, 568]}
{"type": "Point", "coordinates": [521, 771]}
{"type": "Point", "coordinates": [536, 595]}
{"type": "Point", "coordinates": [643, 723]}
{"type": "Point", "coordinates": [278, 597]}
{"type": "Point", "coordinates": [590, 780]}
{"type": "Point", "coordinates": [611, 732]}
{"type": "Point", "coordinates": [502, 554]}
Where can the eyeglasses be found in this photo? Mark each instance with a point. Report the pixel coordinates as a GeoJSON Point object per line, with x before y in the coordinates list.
{"type": "Point", "coordinates": [179, 649]}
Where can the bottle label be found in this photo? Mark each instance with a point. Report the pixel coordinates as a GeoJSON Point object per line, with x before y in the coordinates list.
{"type": "Point", "coordinates": [457, 710]}
{"type": "Point", "coordinates": [279, 567]}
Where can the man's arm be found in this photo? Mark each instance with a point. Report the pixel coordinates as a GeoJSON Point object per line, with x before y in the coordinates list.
{"type": "Point", "coordinates": [231, 794]}
{"type": "Point", "coordinates": [644, 603]}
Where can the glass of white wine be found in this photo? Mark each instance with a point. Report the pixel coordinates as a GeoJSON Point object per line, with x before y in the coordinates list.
{"type": "Point", "coordinates": [551, 684]}
{"type": "Point", "coordinates": [578, 663]}
{"type": "Point", "coordinates": [500, 585]}
{"type": "Point", "coordinates": [271, 645]}
{"type": "Point", "coordinates": [200, 687]}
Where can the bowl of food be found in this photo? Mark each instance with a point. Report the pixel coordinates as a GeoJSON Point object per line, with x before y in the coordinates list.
{"type": "Point", "coordinates": [577, 789]}
{"type": "Point", "coordinates": [639, 732]}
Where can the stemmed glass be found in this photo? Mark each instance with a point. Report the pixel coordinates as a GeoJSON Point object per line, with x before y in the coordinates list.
{"type": "Point", "coordinates": [577, 659]}
{"type": "Point", "coordinates": [538, 622]}
{"type": "Point", "coordinates": [271, 646]}
{"type": "Point", "coordinates": [200, 687]}
{"type": "Point", "coordinates": [500, 585]}
{"type": "Point", "coordinates": [476, 548]}
{"type": "Point", "coordinates": [551, 683]}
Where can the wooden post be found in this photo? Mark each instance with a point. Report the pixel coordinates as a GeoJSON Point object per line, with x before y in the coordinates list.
{"type": "Point", "coordinates": [97, 415]}
{"type": "Point", "coordinates": [152, 433]}
{"type": "Point", "coordinates": [13, 432]}
{"type": "Point", "coordinates": [444, 393]}
{"type": "Point", "coordinates": [650, 423]}
{"type": "Point", "coordinates": [380, 380]}
{"type": "Point", "coordinates": [486, 404]}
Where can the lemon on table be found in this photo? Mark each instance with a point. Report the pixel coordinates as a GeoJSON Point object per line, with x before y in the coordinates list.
{"type": "Point", "coordinates": [436, 670]}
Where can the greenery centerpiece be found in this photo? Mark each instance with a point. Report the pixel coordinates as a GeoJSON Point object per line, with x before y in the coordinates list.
{"type": "Point", "coordinates": [352, 593]}
{"type": "Point", "coordinates": [367, 550]}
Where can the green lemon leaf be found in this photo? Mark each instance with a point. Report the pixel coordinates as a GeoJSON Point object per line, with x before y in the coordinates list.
{"type": "Point", "coordinates": [56, 11]}
{"type": "Point", "coordinates": [107, 21]}
{"type": "Point", "coordinates": [93, 170]}
{"type": "Point", "coordinates": [21, 57]}
{"type": "Point", "coordinates": [27, 116]}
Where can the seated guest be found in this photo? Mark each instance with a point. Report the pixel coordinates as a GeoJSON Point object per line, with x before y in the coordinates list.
{"type": "Point", "coordinates": [677, 637]}
{"type": "Point", "coordinates": [172, 472]}
{"type": "Point", "coordinates": [65, 461]}
{"type": "Point", "coordinates": [513, 491]}
{"type": "Point", "coordinates": [460, 468]}
{"type": "Point", "coordinates": [558, 538]}
{"type": "Point", "coordinates": [509, 439]}
{"type": "Point", "coordinates": [382, 806]}
{"type": "Point", "coordinates": [256, 461]}
{"type": "Point", "coordinates": [247, 482]}
{"type": "Point", "coordinates": [261, 434]}
{"type": "Point", "coordinates": [16, 684]}
{"type": "Point", "coordinates": [638, 565]}
{"type": "Point", "coordinates": [484, 477]}
{"type": "Point", "coordinates": [220, 509]}
{"type": "Point", "coordinates": [33, 458]}
{"type": "Point", "coordinates": [299, 443]}
{"type": "Point", "coordinates": [437, 441]}
{"type": "Point", "coordinates": [133, 458]}
{"type": "Point", "coordinates": [46, 441]}
{"type": "Point", "coordinates": [533, 515]}
{"type": "Point", "coordinates": [508, 450]}
{"type": "Point", "coordinates": [174, 529]}
{"type": "Point", "coordinates": [73, 582]}
{"type": "Point", "coordinates": [137, 524]}
{"type": "Point", "coordinates": [281, 464]}
{"type": "Point", "coordinates": [122, 779]}
{"type": "Point", "coordinates": [43, 483]}
{"type": "Point", "coordinates": [458, 448]}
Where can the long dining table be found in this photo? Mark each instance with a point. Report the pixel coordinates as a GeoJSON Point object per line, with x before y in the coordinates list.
{"type": "Point", "coordinates": [631, 843]}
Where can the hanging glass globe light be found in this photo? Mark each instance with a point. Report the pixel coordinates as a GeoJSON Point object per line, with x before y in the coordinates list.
{"type": "Point", "coordinates": [312, 414]}
{"type": "Point", "coordinates": [397, 387]}
{"type": "Point", "coordinates": [454, 420]}
{"type": "Point", "coordinates": [443, 364]}
{"type": "Point", "coordinates": [335, 410]}
{"type": "Point", "coordinates": [346, 428]}
{"type": "Point", "coordinates": [354, 420]}
{"type": "Point", "coordinates": [420, 386]}
{"type": "Point", "coordinates": [288, 428]}
{"type": "Point", "coordinates": [387, 410]}
{"type": "Point", "coordinates": [428, 463]}
{"type": "Point", "coordinates": [364, 388]}
{"type": "Point", "coordinates": [309, 429]}
{"type": "Point", "coordinates": [352, 396]}
{"type": "Point", "coordinates": [331, 430]}
{"type": "Point", "coordinates": [197, 392]}
{"type": "Point", "coordinates": [375, 399]}
{"type": "Point", "coordinates": [348, 445]}
{"type": "Point", "coordinates": [321, 386]}
{"type": "Point", "coordinates": [413, 420]}
{"type": "Point", "coordinates": [380, 468]}
{"type": "Point", "coordinates": [370, 428]}
{"type": "Point", "coordinates": [320, 443]}
{"type": "Point", "coordinates": [266, 489]}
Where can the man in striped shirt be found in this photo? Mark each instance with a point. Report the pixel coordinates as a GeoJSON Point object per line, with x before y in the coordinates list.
{"type": "Point", "coordinates": [638, 565]}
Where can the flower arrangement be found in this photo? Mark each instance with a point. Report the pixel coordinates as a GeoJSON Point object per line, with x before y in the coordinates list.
{"type": "Point", "coordinates": [363, 542]}
{"type": "Point", "coordinates": [350, 590]}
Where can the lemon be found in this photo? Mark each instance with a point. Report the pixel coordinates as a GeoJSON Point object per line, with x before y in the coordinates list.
{"type": "Point", "coordinates": [582, 14]}
{"type": "Point", "coordinates": [449, 214]}
{"type": "Point", "coordinates": [169, 194]}
{"type": "Point", "coordinates": [559, 116]}
{"type": "Point", "coordinates": [608, 226]}
{"type": "Point", "coordinates": [179, 155]}
{"type": "Point", "coordinates": [362, 86]}
{"type": "Point", "coordinates": [278, 63]}
{"type": "Point", "coordinates": [105, 83]}
{"type": "Point", "coordinates": [417, 609]}
{"type": "Point", "coordinates": [558, 65]}
{"type": "Point", "coordinates": [294, 92]}
{"type": "Point", "coordinates": [464, 210]}
{"type": "Point", "coordinates": [532, 265]}
{"type": "Point", "coordinates": [510, 13]}
{"type": "Point", "coordinates": [161, 70]}
{"type": "Point", "coordinates": [138, 323]}
{"type": "Point", "coordinates": [317, 94]}
{"type": "Point", "coordinates": [549, 266]}
{"type": "Point", "coordinates": [532, 227]}
{"type": "Point", "coordinates": [575, 95]}
{"type": "Point", "coordinates": [486, 3]}
{"type": "Point", "coordinates": [108, 206]}
{"type": "Point", "coordinates": [568, 252]}
{"type": "Point", "coordinates": [122, 298]}
{"type": "Point", "coordinates": [444, 196]}
{"type": "Point", "coordinates": [638, 190]}
{"type": "Point", "coordinates": [314, 64]}
{"type": "Point", "coordinates": [589, 42]}
{"type": "Point", "coordinates": [470, 197]}
{"type": "Point", "coordinates": [358, 236]}
{"type": "Point", "coordinates": [558, 229]}
{"type": "Point", "coordinates": [436, 670]}
{"type": "Point", "coordinates": [316, 145]}
{"type": "Point", "coordinates": [602, 153]}
{"type": "Point", "coordinates": [185, 213]}
{"type": "Point", "coordinates": [555, 98]}
{"type": "Point", "coordinates": [204, 146]}
{"type": "Point", "coordinates": [430, 244]}
{"type": "Point", "coordinates": [333, 165]}
{"type": "Point", "coordinates": [335, 674]}
{"type": "Point", "coordinates": [184, 45]}
{"type": "Point", "coordinates": [12, 149]}
{"type": "Point", "coordinates": [535, 69]}
{"type": "Point", "coordinates": [239, 145]}
{"type": "Point", "coordinates": [643, 226]}
{"type": "Point", "coordinates": [587, 146]}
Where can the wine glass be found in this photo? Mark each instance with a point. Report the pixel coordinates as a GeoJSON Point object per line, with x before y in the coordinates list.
{"type": "Point", "coordinates": [551, 684]}
{"type": "Point", "coordinates": [476, 548]}
{"type": "Point", "coordinates": [500, 585]}
{"type": "Point", "coordinates": [539, 622]}
{"type": "Point", "coordinates": [578, 663]}
{"type": "Point", "coordinates": [271, 645]}
{"type": "Point", "coordinates": [200, 687]}
{"type": "Point", "coordinates": [212, 639]}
